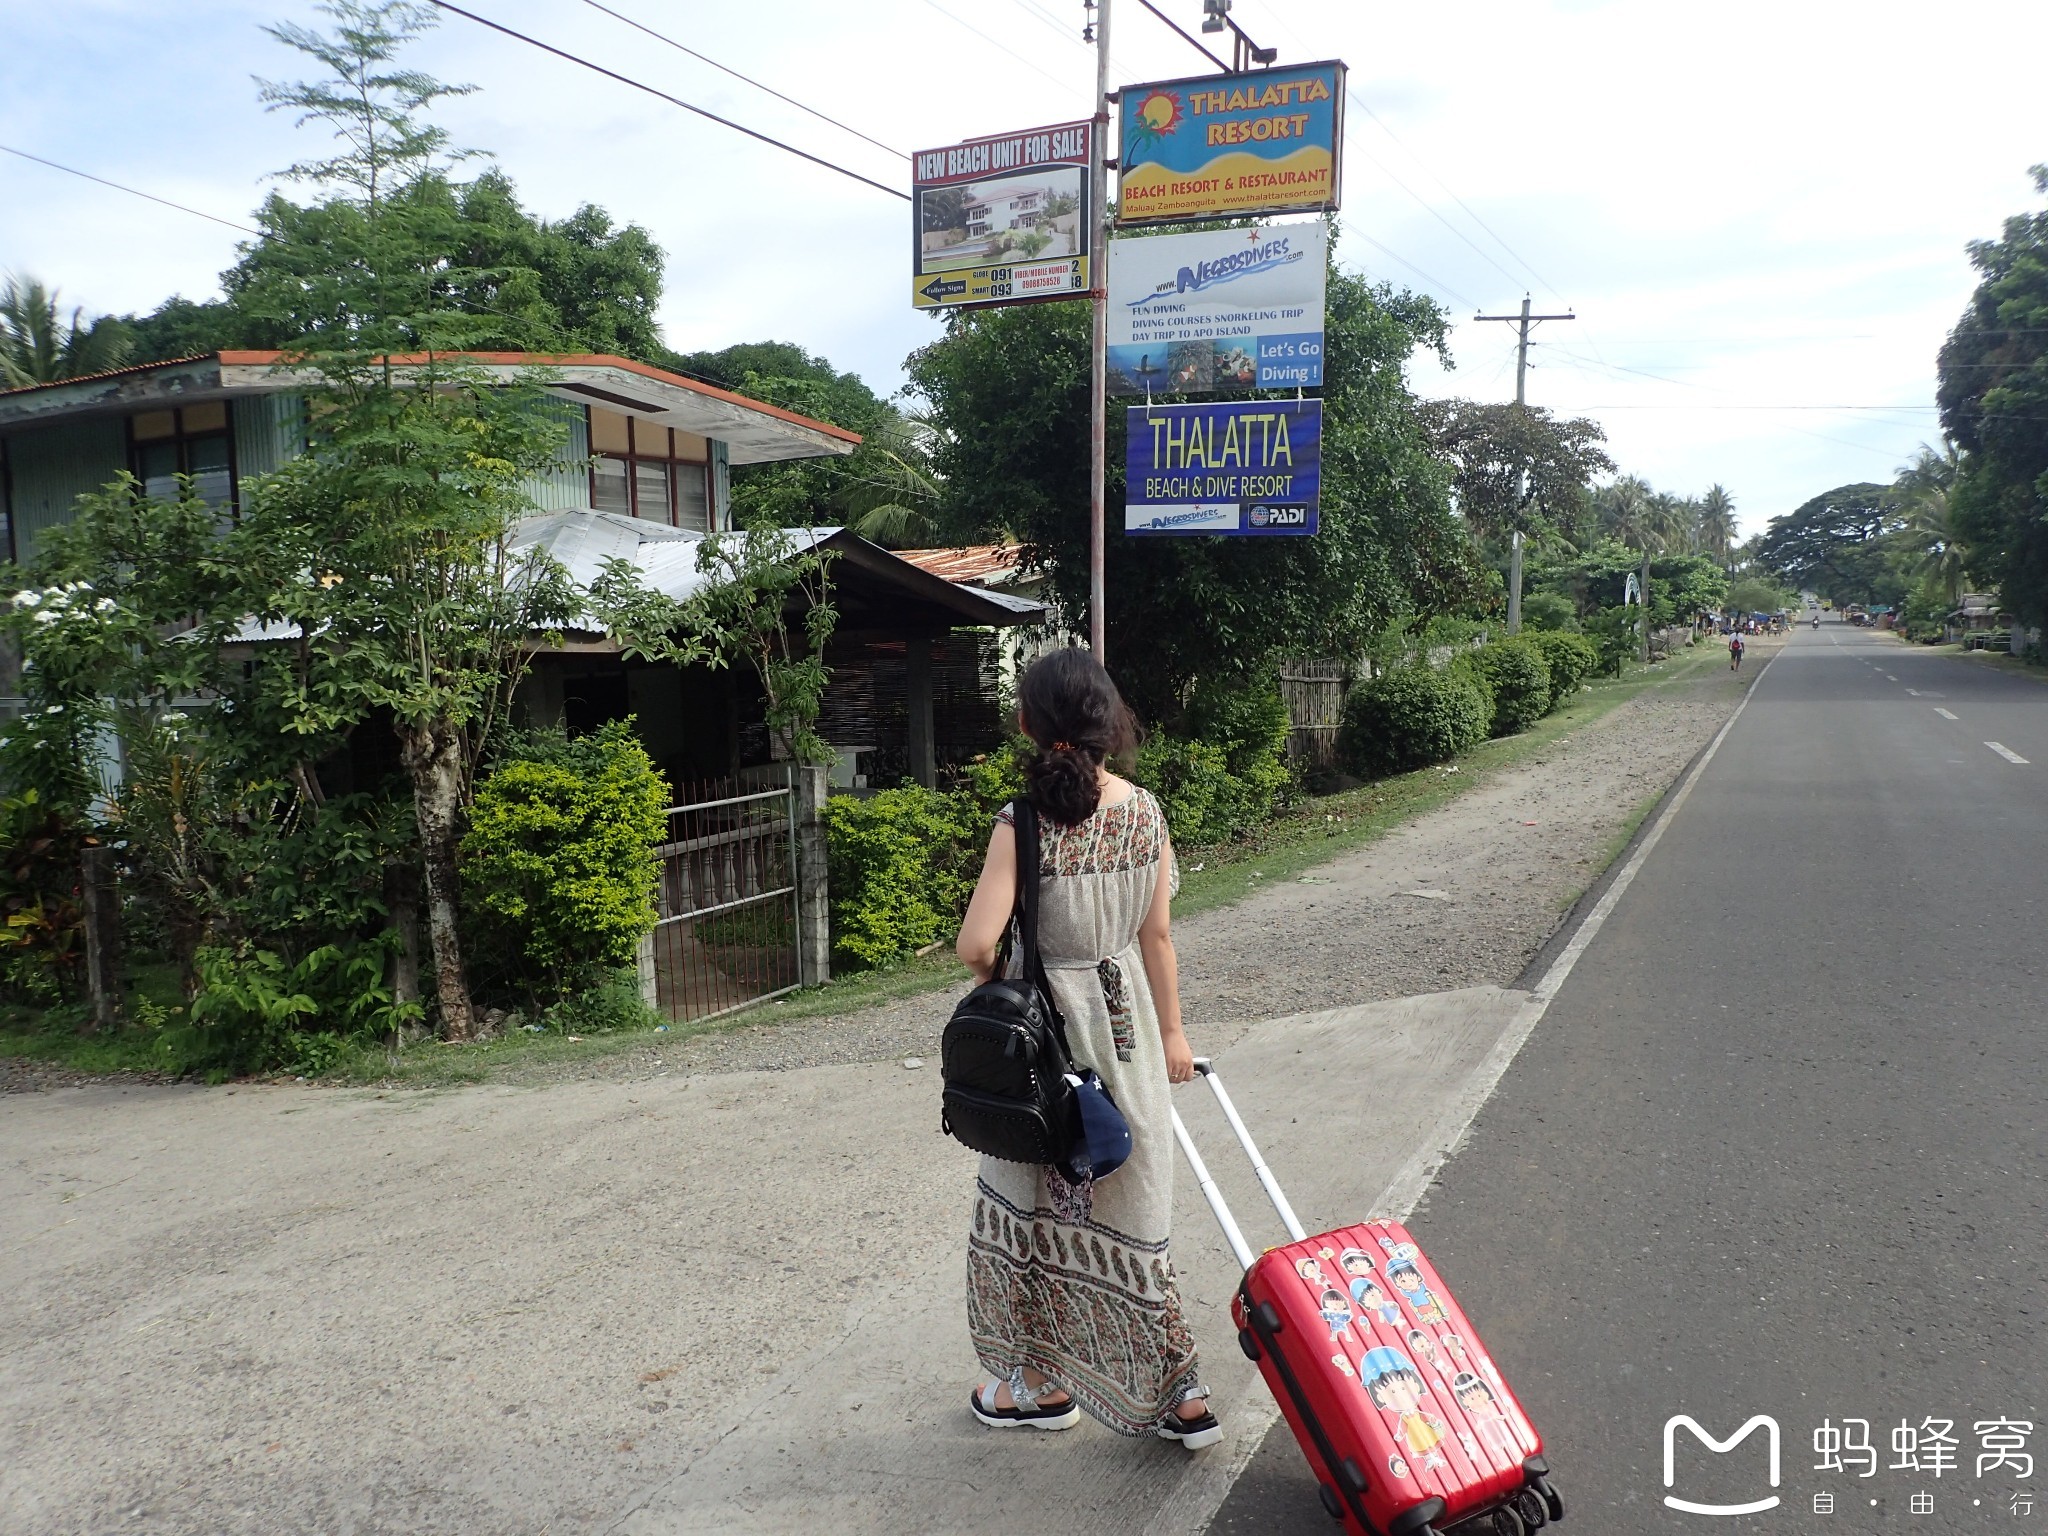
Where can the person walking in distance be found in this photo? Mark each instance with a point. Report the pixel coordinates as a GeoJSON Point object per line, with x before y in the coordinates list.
{"type": "Point", "coordinates": [1072, 1298]}
{"type": "Point", "coordinates": [1735, 653]}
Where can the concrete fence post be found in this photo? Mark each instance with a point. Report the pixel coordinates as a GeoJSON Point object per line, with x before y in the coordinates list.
{"type": "Point", "coordinates": [101, 900]}
{"type": "Point", "coordinates": [813, 896]}
{"type": "Point", "coordinates": [643, 963]}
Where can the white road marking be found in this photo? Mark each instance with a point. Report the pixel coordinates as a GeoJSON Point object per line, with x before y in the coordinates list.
{"type": "Point", "coordinates": [1943, 713]}
{"type": "Point", "coordinates": [1915, 692]}
{"type": "Point", "coordinates": [2005, 752]}
{"type": "Point", "coordinates": [1889, 678]}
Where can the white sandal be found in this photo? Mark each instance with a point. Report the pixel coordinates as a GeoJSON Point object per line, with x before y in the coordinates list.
{"type": "Point", "coordinates": [1028, 1413]}
{"type": "Point", "coordinates": [1193, 1434]}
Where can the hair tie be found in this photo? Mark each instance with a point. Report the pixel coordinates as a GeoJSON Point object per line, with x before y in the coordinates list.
{"type": "Point", "coordinates": [1063, 746]}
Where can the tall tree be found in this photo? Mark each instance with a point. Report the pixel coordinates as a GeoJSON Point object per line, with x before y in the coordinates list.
{"type": "Point", "coordinates": [1925, 489]}
{"type": "Point", "coordinates": [39, 346]}
{"type": "Point", "coordinates": [1716, 522]}
{"type": "Point", "coordinates": [1516, 468]}
{"type": "Point", "coordinates": [1008, 389]}
{"type": "Point", "coordinates": [1633, 514]}
{"type": "Point", "coordinates": [386, 549]}
{"type": "Point", "coordinates": [1836, 544]}
{"type": "Point", "coordinates": [1992, 387]}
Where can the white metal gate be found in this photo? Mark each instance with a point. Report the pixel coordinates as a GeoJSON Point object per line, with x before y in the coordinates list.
{"type": "Point", "coordinates": [727, 930]}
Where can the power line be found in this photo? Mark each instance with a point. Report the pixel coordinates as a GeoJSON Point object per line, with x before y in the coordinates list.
{"type": "Point", "coordinates": [723, 122]}
{"type": "Point", "coordinates": [1190, 38]}
{"type": "Point", "coordinates": [1064, 85]}
{"type": "Point", "coordinates": [131, 191]}
{"type": "Point", "coordinates": [1037, 13]}
{"type": "Point", "coordinates": [1433, 282]}
{"type": "Point", "coordinates": [748, 79]}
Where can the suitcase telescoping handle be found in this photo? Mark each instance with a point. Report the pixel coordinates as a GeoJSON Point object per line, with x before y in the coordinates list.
{"type": "Point", "coordinates": [1232, 1234]}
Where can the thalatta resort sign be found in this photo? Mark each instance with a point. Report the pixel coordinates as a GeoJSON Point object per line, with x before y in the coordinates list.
{"type": "Point", "coordinates": [1217, 145]}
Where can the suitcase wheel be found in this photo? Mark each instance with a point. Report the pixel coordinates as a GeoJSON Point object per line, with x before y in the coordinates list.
{"type": "Point", "coordinates": [1331, 1502]}
{"type": "Point", "coordinates": [1553, 1504]}
{"type": "Point", "coordinates": [1530, 1506]}
{"type": "Point", "coordinates": [1248, 1342]}
{"type": "Point", "coordinates": [1502, 1522]}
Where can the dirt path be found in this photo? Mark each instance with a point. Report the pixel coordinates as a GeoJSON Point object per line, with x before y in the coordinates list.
{"type": "Point", "coordinates": [1502, 864]}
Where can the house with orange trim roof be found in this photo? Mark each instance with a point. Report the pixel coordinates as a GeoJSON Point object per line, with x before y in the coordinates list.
{"type": "Point", "coordinates": [644, 474]}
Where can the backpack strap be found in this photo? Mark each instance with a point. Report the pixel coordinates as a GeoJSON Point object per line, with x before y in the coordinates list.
{"type": "Point", "coordinates": [1025, 823]}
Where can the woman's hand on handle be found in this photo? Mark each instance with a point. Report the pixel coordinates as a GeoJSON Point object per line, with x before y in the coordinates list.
{"type": "Point", "coordinates": [1180, 1058]}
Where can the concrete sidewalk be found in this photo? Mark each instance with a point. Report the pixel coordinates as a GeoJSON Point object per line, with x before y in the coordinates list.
{"type": "Point", "coordinates": [711, 1304]}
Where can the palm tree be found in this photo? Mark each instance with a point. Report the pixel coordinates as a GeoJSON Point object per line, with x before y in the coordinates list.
{"type": "Point", "coordinates": [1633, 514]}
{"type": "Point", "coordinates": [895, 501]}
{"type": "Point", "coordinates": [1716, 522]}
{"type": "Point", "coordinates": [1924, 486]}
{"type": "Point", "coordinates": [37, 348]}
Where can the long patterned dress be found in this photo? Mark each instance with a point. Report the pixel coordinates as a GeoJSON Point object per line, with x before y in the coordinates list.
{"type": "Point", "coordinates": [1076, 1281]}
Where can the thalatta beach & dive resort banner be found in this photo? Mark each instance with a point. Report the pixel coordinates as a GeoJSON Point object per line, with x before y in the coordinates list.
{"type": "Point", "coordinates": [1250, 467]}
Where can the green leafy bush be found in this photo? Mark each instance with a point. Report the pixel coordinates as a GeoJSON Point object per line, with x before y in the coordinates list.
{"type": "Point", "coordinates": [1546, 612]}
{"type": "Point", "coordinates": [256, 1011]}
{"type": "Point", "coordinates": [1615, 637]}
{"type": "Point", "coordinates": [1408, 716]}
{"type": "Point", "coordinates": [42, 942]}
{"type": "Point", "coordinates": [1230, 773]}
{"type": "Point", "coordinates": [902, 864]}
{"type": "Point", "coordinates": [612, 1002]}
{"type": "Point", "coordinates": [1571, 659]}
{"type": "Point", "coordinates": [558, 864]}
{"type": "Point", "coordinates": [1519, 680]}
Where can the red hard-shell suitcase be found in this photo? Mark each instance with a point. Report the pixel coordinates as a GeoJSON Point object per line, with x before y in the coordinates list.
{"type": "Point", "coordinates": [1403, 1416]}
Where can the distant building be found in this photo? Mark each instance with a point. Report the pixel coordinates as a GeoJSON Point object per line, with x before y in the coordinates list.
{"type": "Point", "coordinates": [1011, 210]}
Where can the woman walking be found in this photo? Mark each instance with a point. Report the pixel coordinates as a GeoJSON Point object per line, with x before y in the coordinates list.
{"type": "Point", "coordinates": [1071, 1294]}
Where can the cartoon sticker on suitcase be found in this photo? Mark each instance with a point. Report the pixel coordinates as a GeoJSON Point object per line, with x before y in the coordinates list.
{"type": "Point", "coordinates": [1336, 1311]}
{"type": "Point", "coordinates": [1357, 1266]}
{"type": "Point", "coordinates": [1485, 1413]}
{"type": "Point", "coordinates": [1395, 1386]}
{"type": "Point", "coordinates": [1404, 1277]}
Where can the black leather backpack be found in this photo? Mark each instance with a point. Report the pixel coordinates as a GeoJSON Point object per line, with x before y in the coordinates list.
{"type": "Point", "coordinates": [1008, 1068]}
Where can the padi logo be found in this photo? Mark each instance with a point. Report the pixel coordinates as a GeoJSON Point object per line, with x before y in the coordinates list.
{"type": "Point", "coordinates": [1263, 257]}
{"type": "Point", "coordinates": [1762, 1421]}
{"type": "Point", "coordinates": [1263, 516]}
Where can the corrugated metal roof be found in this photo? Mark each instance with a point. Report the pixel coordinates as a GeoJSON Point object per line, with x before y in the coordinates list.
{"type": "Point", "coordinates": [666, 559]}
{"type": "Point", "coordinates": [969, 564]}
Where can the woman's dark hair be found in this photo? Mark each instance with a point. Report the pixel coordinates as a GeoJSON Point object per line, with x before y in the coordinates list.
{"type": "Point", "coordinates": [1076, 717]}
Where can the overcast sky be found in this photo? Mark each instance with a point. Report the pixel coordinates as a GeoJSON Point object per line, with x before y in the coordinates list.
{"type": "Point", "coordinates": [1752, 207]}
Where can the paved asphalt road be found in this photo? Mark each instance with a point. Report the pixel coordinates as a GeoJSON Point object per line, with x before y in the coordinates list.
{"type": "Point", "coordinates": [1778, 1145]}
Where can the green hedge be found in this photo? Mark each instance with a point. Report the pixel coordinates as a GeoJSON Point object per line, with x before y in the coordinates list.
{"type": "Point", "coordinates": [1571, 659]}
{"type": "Point", "coordinates": [1229, 774]}
{"type": "Point", "coordinates": [1518, 678]}
{"type": "Point", "coordinates": [902, 864]}
{"type": "Point", "coordinates": [1409, 716]}
{"type": "Point", "coordinates": [558, 866]}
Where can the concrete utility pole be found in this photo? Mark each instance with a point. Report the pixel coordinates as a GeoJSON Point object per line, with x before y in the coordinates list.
{"type": "Point", "coordinates": [1522, 321]}
{"type": "Point", "coordinates": [1098, 339]}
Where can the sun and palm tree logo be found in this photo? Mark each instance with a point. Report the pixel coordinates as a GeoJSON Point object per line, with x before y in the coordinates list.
{"type": "Point", "coordinates": [1157, 115]}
